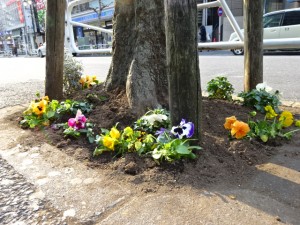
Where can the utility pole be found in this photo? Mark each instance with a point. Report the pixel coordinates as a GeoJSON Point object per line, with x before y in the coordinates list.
{"type": "Point", "coordinates": [55, 30]}
{"type": "Point", "coordinates": [253, 43]}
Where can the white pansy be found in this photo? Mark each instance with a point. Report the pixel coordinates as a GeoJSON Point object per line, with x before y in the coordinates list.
{"type": "Point", "coordinates": [155, 117]}
{"type": "Point", "coordinates": [263, 86]}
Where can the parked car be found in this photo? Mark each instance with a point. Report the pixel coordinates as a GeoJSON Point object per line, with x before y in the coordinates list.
{"type": "Point", "coordinates": [42, 51]}
{"type": "Point", "coordinates": [277, 24]}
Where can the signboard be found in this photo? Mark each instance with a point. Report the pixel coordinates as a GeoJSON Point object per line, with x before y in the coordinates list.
{"type": "Point", "coordinates": [220, 11]}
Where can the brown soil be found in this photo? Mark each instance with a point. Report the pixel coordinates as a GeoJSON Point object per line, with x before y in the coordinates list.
{"type": "Point", "coordinates": [221, 161]}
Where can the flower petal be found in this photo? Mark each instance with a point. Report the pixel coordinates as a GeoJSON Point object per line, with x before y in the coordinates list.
{"type": "Point", "coordinates": [71, 122]}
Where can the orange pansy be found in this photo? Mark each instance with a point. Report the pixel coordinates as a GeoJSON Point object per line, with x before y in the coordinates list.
{"type": "Point", "coordinates": [239, 129]}
{"type": "Point", "coordinates": [229, 121]}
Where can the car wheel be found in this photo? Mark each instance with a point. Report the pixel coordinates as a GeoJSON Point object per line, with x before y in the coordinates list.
{"type": "Point", "coordinates": [238, 51]}
{"type": "Point", "coordinates": [74, 54]}
{"type": "Point", "coordinates": [40, 54]}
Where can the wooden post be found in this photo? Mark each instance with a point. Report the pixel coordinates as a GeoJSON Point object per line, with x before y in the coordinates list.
{"type": "Point", "coordinates": [55, 31]}
{"type": "Point", "coordinates": [253, 59]}
{"type": "Point", "coordinates": [183, 62]}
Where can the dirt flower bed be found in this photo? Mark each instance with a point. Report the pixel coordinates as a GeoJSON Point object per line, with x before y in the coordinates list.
{"type": "Point", "coordinates": [221, 160]}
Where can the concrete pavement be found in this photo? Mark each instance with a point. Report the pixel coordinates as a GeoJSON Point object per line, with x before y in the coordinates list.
{"type": "Point", "coordinates": [62, 190]}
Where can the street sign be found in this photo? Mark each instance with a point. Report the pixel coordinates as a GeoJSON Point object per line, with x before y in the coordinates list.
{"type": "Point", "coordinates": [220, 11]}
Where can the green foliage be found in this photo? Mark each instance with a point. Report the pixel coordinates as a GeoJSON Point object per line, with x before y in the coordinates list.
{"type": "Point", "coordinates": [71, 106]}
{"type": "Point", "coordinates": [72, 73]}
{"type": "Point", "coordinates": [88, 132]}
{"type": "Point", "coordinates": [170, 149]}
{"type": "Point", "coordinates": [220, 88]}
{"type": "Point", "coordinates": [40, 113]}
{"type": "Point", "coordinates": [141, 139]}
{"type": "Point", "coordinates": [266, 130]}
{"type": "Point", "coordinates": [152, 121]}
{"type": "Point", "coordinates": [259, 99]}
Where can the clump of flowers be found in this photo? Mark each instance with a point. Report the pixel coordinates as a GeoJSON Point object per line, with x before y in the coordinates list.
{"type": "Point", "coordinates": [238, 129]}
{"type": "Point", "coordinates": [77, 126]}
{"type": "Point", "coordinates": [87, 81]}
{"type": "Point", "coordinates": [261, 97]}
{"type": "Point", "coordinates": [40, 112]}
{"type": "Point", "coordinates": [270, 113]}
{"type": "Point", "coordinates": [150, 136]}
{"type": "Point", "coordinates": [78, 122]}
{"type": "Point", "coordinates": [220, 88]}
{"type": "Point", "coordinates": [152, 121]}
{"type": "Point", "coordinates": [270, 127]}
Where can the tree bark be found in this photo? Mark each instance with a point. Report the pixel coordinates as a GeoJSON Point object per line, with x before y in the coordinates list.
{"type": "Point", "coordinates": [55, 30]}
{"type": "Point", "coordinates": [138, 62]}
{"type": "Point", "coordinates": [253, 59]}
{"type": "Point", "coordinates": [183, 62]}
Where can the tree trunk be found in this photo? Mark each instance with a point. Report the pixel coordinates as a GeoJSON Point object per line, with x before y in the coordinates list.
{"type": "Point", "coordinates": [138, 62]}
{"type": "Point", "coordinates": [253, 59]}
{"type": "Point", "coordinates": [55, 30]}
{"type": "Point", "coordinates": [183, 62]}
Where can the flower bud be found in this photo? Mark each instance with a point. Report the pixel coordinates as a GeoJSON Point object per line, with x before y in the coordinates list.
{"type": "Point", "coordinates": [264, 138]}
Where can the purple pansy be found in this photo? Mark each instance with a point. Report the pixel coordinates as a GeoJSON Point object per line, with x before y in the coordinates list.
{"type": "Point", "coordinates": [184, 130]}
{"type": "Point", "coordinates": [161, 131]}
{"type": "Point", "coordinates": [78, 122]}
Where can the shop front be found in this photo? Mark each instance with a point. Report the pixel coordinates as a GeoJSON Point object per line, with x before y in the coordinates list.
{"type": "Point", "coordinates": [89, 38]}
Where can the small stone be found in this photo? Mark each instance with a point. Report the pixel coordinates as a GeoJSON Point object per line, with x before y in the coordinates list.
{"type": "Point", "coordinates": [27, 162]}
{"type": "Point", "coordinates": [6, 182]}
{"type": "Point", "coordinates": [42, 181]}
{"type": "Point", "coordinates": [76, 181]}
{"type": "Point", "coordinates": [54, 173]}
{"type": "Point", "coordinates": [88, 181]}
{"type": "Point", "coordinates": [278, 218]}
{"type": "Point", "coordinates": [34, 155]}
{"type": "Point", "coordinates": [233, 197]}
{"type": "Point", "coordinates": [37, 195]}
{"type": "Point", "coordinates": [36, 148]}
{"type": "Point", "coordinates": [69, 213]}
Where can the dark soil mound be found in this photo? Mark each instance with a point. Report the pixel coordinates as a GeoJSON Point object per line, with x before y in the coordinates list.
{"type": "Point", "coordinates": [220, 160]}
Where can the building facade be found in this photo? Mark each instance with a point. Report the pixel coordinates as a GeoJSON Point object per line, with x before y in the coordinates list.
{"type": "Point", "coordinates": [19, 25]}
{"type": "Point", "coordinates": [96, 15]}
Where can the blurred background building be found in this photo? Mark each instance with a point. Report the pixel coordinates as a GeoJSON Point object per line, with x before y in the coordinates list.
{"type": "Point", "coordinates": [22, 22]}
{"type": "Point", "coordinates": [19, 26]}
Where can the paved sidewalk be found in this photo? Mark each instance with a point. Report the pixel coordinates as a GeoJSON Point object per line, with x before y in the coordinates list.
{"type": "Point", "coordinates": [42, 185]}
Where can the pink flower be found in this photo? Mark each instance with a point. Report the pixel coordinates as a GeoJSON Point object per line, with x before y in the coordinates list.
{"type": "Point", "coordinates": [78, 122]}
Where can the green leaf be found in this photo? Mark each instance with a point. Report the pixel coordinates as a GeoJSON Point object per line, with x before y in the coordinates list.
{"type": "Point", "coordinates": [50, 114]}
{"type": "Point", "coordinates": [98, 151]}
{"type": "Point", "coordinates": [181, 149]}
{"type": "Point", "coordinates": [195, 147]}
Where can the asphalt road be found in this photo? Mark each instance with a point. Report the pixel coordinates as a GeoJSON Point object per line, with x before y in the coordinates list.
{"type": "Point", "coordinates": [21, 77]}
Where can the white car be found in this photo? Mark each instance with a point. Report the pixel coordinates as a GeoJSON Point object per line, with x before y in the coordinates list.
{"type": "Point", "coordinates": [42, 50]}
{"type": "Point", "coordinates": [278, 24]}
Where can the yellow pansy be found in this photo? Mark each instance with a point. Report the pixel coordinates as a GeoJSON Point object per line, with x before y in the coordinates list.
{"type": "Point", "coordinates": [114, 133]}
{"type": "Point", "coordinates": [286, 118]}
{"type": "Point", "coordinates": [128, 131]}
{"type": "Point", "coordinates": [270, 113]}
{"type": "Point", "coordinates": [39, 108]}
{"type": "Point", "coordinates": [109, 142]}
{"type": "Point", "coordinates": [82, 80]}
{"type": "Point", "coordinates": [46, 98]}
